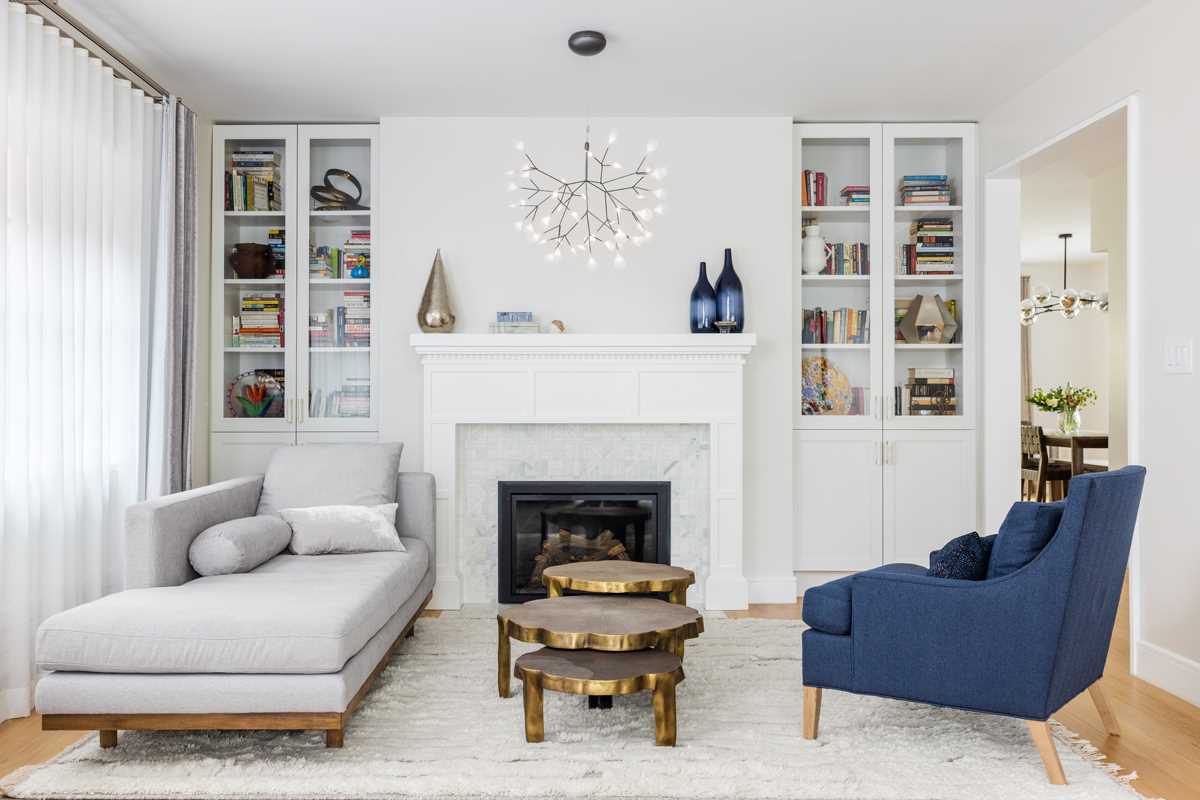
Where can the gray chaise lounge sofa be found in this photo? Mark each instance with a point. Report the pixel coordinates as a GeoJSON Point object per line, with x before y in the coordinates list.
{"type": "Point", "coordinates": [293, 644]}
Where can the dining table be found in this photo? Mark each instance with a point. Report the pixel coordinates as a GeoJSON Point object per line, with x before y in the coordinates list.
{"type": "Point", "coordinates": [1076, 442]}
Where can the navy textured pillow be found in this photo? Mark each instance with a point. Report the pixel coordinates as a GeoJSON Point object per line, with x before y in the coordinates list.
{"type": "Point", "coordinates": [1025, 531]}
{"type": "Point", "coordinates": [964, 558]}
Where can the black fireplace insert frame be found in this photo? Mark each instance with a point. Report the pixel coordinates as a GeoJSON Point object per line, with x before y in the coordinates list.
{"type": "Point", "coordinates": [510, 492]}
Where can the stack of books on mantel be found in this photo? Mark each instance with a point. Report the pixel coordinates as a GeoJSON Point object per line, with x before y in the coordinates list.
{"type": "Point", "coordinates": [515, 322]}
{"type": "Point", "coordinates": [918, 190]}
{"type": "Point", "coordinates": [929, 392]}
{"type": "Point", "coordinates": [857, 195]}
{"type": "Point", "coordinates": [930, 250]}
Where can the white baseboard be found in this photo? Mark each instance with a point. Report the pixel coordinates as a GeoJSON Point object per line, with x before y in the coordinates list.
{"type": "Point", "coordinates": [726, 593]}
{"type": "Point", "coordinates": [15, 703]}
{"type": "Point", "coordinates": [447, 593]}
{"type": "Point", "coordinates": [773, 590]}
{"type": "Point", "coordinates": [1170, 671]}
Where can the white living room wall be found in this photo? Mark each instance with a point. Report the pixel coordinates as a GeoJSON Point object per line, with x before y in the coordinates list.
{"type": "Point", "coordinates": [1151, 55]}
{"type": "Point", "coordinates": [728, 185]}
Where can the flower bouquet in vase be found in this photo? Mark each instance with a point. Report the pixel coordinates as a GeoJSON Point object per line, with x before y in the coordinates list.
{"type": "Point", "coordinates": [1066, 402]}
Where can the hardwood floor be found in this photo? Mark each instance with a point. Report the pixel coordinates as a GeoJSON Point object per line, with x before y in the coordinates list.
{"type": "Point", "coordinates": [1160, 734]}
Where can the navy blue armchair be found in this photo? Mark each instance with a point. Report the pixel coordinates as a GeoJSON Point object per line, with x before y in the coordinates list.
{"type": "Point", "coordinates": [1021, 645]}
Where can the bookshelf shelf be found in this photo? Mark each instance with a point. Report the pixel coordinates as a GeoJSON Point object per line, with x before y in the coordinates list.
{"type": "Point", "coordinates": [907, 346]}
{"type": "Point", "coordinates": [902, 280]}
{"type": "Point", "coordinates": [834, 280]}
{"type": "Point", "coordinates": [330, 394]}
{"type": "Point", "coordinates": [851, 346]}
{"type": "Point", "coordinates": [915, 212]}
{"type": "Point", "coordinates": [863, 210]}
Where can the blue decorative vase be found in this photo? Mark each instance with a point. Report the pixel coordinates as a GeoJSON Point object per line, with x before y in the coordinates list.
{"type": "Point", "coordinates": [731, 307]}
{"type": "Point", "coordinates": [704, 304]}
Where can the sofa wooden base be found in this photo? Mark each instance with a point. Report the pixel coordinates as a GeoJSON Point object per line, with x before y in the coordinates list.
{"type": "Point", "coordinates": [333, 723]}
{"type": "Point", "coordinates": [1043, 739]}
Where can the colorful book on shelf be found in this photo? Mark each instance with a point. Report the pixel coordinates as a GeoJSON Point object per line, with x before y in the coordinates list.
{"type": "Point", "coordinates": [813, 188]}
{"type": "Point", "coordinates": [835, 326]}
{"type": "Point", "coordinates": [848, 258]}
{"type": "Point", "coordinates": [856, 194]}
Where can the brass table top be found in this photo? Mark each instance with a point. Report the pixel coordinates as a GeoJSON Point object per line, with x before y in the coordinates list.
{"type": "Point", "coordinates": [619, 577]}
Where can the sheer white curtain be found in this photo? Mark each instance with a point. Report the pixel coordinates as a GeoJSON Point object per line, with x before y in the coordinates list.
{"type": "Point", "coordinates": [80, 181]}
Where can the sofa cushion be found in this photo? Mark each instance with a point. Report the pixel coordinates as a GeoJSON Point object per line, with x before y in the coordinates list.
{"type": "Point", "coordinates": [963, 558]}
{"type": "Point", "coordinates": [330, 475]}
{"type": "Point", "coordinates": [238, 545]}
{"type": "Point", "coordinates": [827, 607]}
{"type": "Point", "coordinates": [1025, 531]}
{"type": "Point", "coordinates": [294, 614]}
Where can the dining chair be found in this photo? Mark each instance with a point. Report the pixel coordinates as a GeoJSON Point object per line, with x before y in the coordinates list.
{"type": "Point", "coordinates": [1039, 474]}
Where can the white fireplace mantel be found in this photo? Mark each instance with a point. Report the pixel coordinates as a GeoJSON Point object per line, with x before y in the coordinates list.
{"type": "Point", "coordinates": [590, 378]}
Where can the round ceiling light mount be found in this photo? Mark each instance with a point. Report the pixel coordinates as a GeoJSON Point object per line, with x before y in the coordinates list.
{"type": "Point", "coordinates": [587, 43]}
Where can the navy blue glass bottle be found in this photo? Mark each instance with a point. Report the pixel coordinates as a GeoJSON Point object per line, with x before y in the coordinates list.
{"type": "Point", "coordinates": [730, 305]}
{"type": "Point", "coordinates": [704, 304]}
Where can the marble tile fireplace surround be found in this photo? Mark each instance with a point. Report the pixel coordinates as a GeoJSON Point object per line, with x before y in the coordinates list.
{"type": "Point", "coordinates": [623, 407]}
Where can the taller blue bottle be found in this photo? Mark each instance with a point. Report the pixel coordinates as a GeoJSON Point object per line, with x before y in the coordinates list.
{"type": "Point", "coordinates": [731, 305]}
{"type": "Point", "coordinates": [703, 304]}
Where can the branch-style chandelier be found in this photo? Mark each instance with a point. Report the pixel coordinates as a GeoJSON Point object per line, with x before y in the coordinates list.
{"type": "Point", "coordinates": [606, 209]}
{"type": "Point", "coordinates": [1068, 302]}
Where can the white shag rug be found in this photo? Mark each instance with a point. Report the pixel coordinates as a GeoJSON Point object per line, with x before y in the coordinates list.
{"type": "Point", "coordinates": [434, 728]}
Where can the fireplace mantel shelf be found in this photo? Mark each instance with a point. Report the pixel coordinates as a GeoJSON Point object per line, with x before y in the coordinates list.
{"type": "Point", "coordinates": [584, 345]}
{"type": "Point", "coordinates": [615, 379]}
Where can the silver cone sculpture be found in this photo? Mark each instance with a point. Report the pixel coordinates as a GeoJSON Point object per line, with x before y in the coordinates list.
{"type": "Point", "coordinates": [435, 315]}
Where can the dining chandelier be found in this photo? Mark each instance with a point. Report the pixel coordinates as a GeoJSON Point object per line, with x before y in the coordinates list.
{"type": "Point", "coordinates": [1068, 302]}
{"type": "Point", "coordinates": [600, 213]}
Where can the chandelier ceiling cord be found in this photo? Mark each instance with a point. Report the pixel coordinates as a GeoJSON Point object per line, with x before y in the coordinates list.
{"type": "Point", "coordinates": [609, 207]}
{"type": "Point", "coordinates": [1068, 303]}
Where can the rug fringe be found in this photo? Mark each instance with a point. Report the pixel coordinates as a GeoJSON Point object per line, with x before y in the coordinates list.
{"type": "Point", "coordinates": [1089, 752]}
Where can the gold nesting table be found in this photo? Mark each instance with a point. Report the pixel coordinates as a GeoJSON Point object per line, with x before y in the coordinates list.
{"type": "Point", "coordinates": [603, 644]}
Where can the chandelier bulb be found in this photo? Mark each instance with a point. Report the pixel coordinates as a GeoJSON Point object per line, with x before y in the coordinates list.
{"type": "Point", "coordinates": [612, 137]}
{"type": "Point", "coordinates": [591, 262]}
{"type": "Point", "coordinates": [651, 145]}
{"type": "Point", "coordinates": [619, 261]}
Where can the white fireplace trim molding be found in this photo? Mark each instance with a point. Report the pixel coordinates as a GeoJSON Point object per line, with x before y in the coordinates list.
{"type": "Point", "coordinates": [615, 379]}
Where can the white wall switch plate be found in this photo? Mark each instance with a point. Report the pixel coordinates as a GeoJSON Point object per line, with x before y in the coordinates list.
{"type": "Point", "coordinates": [1178, 353]}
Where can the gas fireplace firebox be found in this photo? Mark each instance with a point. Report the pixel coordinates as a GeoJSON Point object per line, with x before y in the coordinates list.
{"type": "Point", "coordinates": [546, 523]}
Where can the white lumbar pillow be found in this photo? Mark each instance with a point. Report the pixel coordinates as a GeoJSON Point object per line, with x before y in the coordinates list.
{"type": "Point", "coordinates": [342, 529]}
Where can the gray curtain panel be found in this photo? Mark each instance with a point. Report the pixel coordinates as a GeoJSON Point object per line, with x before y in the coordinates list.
{"type": "Point", "coordinates": [182, 331]}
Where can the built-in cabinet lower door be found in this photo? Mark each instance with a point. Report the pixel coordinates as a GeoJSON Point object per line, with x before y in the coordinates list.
{"type": "Point", "coordinates": [838, 499]}
{"type": "Point", "coordinates": [928, 491]}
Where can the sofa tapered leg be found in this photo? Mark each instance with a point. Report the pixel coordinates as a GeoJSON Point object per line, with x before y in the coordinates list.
{"type": "Point", "coordinates": [335, 737]}
{"type": "Point", "coordinates": [812, 711]}
{"type": "Point", "coordinates": [108, 739]}
{"type": "Point", "coordinates": [1106, 713]}
{"type": "Point", "coordinates": [1040, 731]}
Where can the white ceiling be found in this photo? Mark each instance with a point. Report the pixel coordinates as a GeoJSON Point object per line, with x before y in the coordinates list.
{"type": "Point", "coordinates": [353, 60]}
{"type": "Point", "coordinates": [1056, 192]}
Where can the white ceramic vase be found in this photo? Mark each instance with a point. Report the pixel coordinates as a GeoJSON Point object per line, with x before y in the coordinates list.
{"type": "Point", "coordinates": [813, 250]}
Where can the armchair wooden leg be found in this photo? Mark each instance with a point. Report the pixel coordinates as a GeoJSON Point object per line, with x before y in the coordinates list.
{"type": "Point", "coordinates": [812, 711]}
{"type": "Point", "coordinates": [1106, 713]}
{"type": "Point", "coordinates": [1040, 731]}
{"type": "Point", "coordinates": [335, 737]}
{"type": "Point", "coordinates": [108, 739]}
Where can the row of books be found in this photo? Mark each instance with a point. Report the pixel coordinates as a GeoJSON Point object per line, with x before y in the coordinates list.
{"type": "Point", "coordinates": [930, 248]}
{"type": "Point", "coordinates": [848, 258]}
{"type": "Point", "coordinates": [351, 399]}
{"type": "Point", "coordinates": [259, 321]}
{"type": "Point", "coordinates": [835, 326]}
{"type": "Point", "coordinates": [346, 325]}
{"type": "Point", "coordinates": [351, 260]}
{"type": "Point", "coordinates": [276, 241]}
{"type": "Point", "coordinates": [252, 181]}
{"type": "Point", "coordinates": [925, 189]}
{"type": "Point", "coordinates": [928, 392]}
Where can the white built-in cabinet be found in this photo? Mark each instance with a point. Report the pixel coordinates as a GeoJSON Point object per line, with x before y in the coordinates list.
{"type": "Point", "coordinates": [325, 390]}
{"type": "Point", "coordinates": [873, 482]}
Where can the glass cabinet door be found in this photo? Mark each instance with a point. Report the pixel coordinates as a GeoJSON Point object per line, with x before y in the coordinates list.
{"type": "Point", "coordinates": [340, 367]}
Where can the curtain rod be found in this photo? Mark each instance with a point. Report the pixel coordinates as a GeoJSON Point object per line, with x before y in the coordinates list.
{"type": "Point", "coordinates": [86, 38]}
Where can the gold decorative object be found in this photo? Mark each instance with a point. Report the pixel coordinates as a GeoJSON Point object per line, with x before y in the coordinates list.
{"type": "Point", "coordinates": [435, 315]}
{"type": "Point", "coordinates": [590, 673]}
{"type": "Point", "coordinates": [619, 577]}
{"type": "Point", "coordinates": [592, 622]}
{"type": "Point", "coordinates": [928, 321]}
